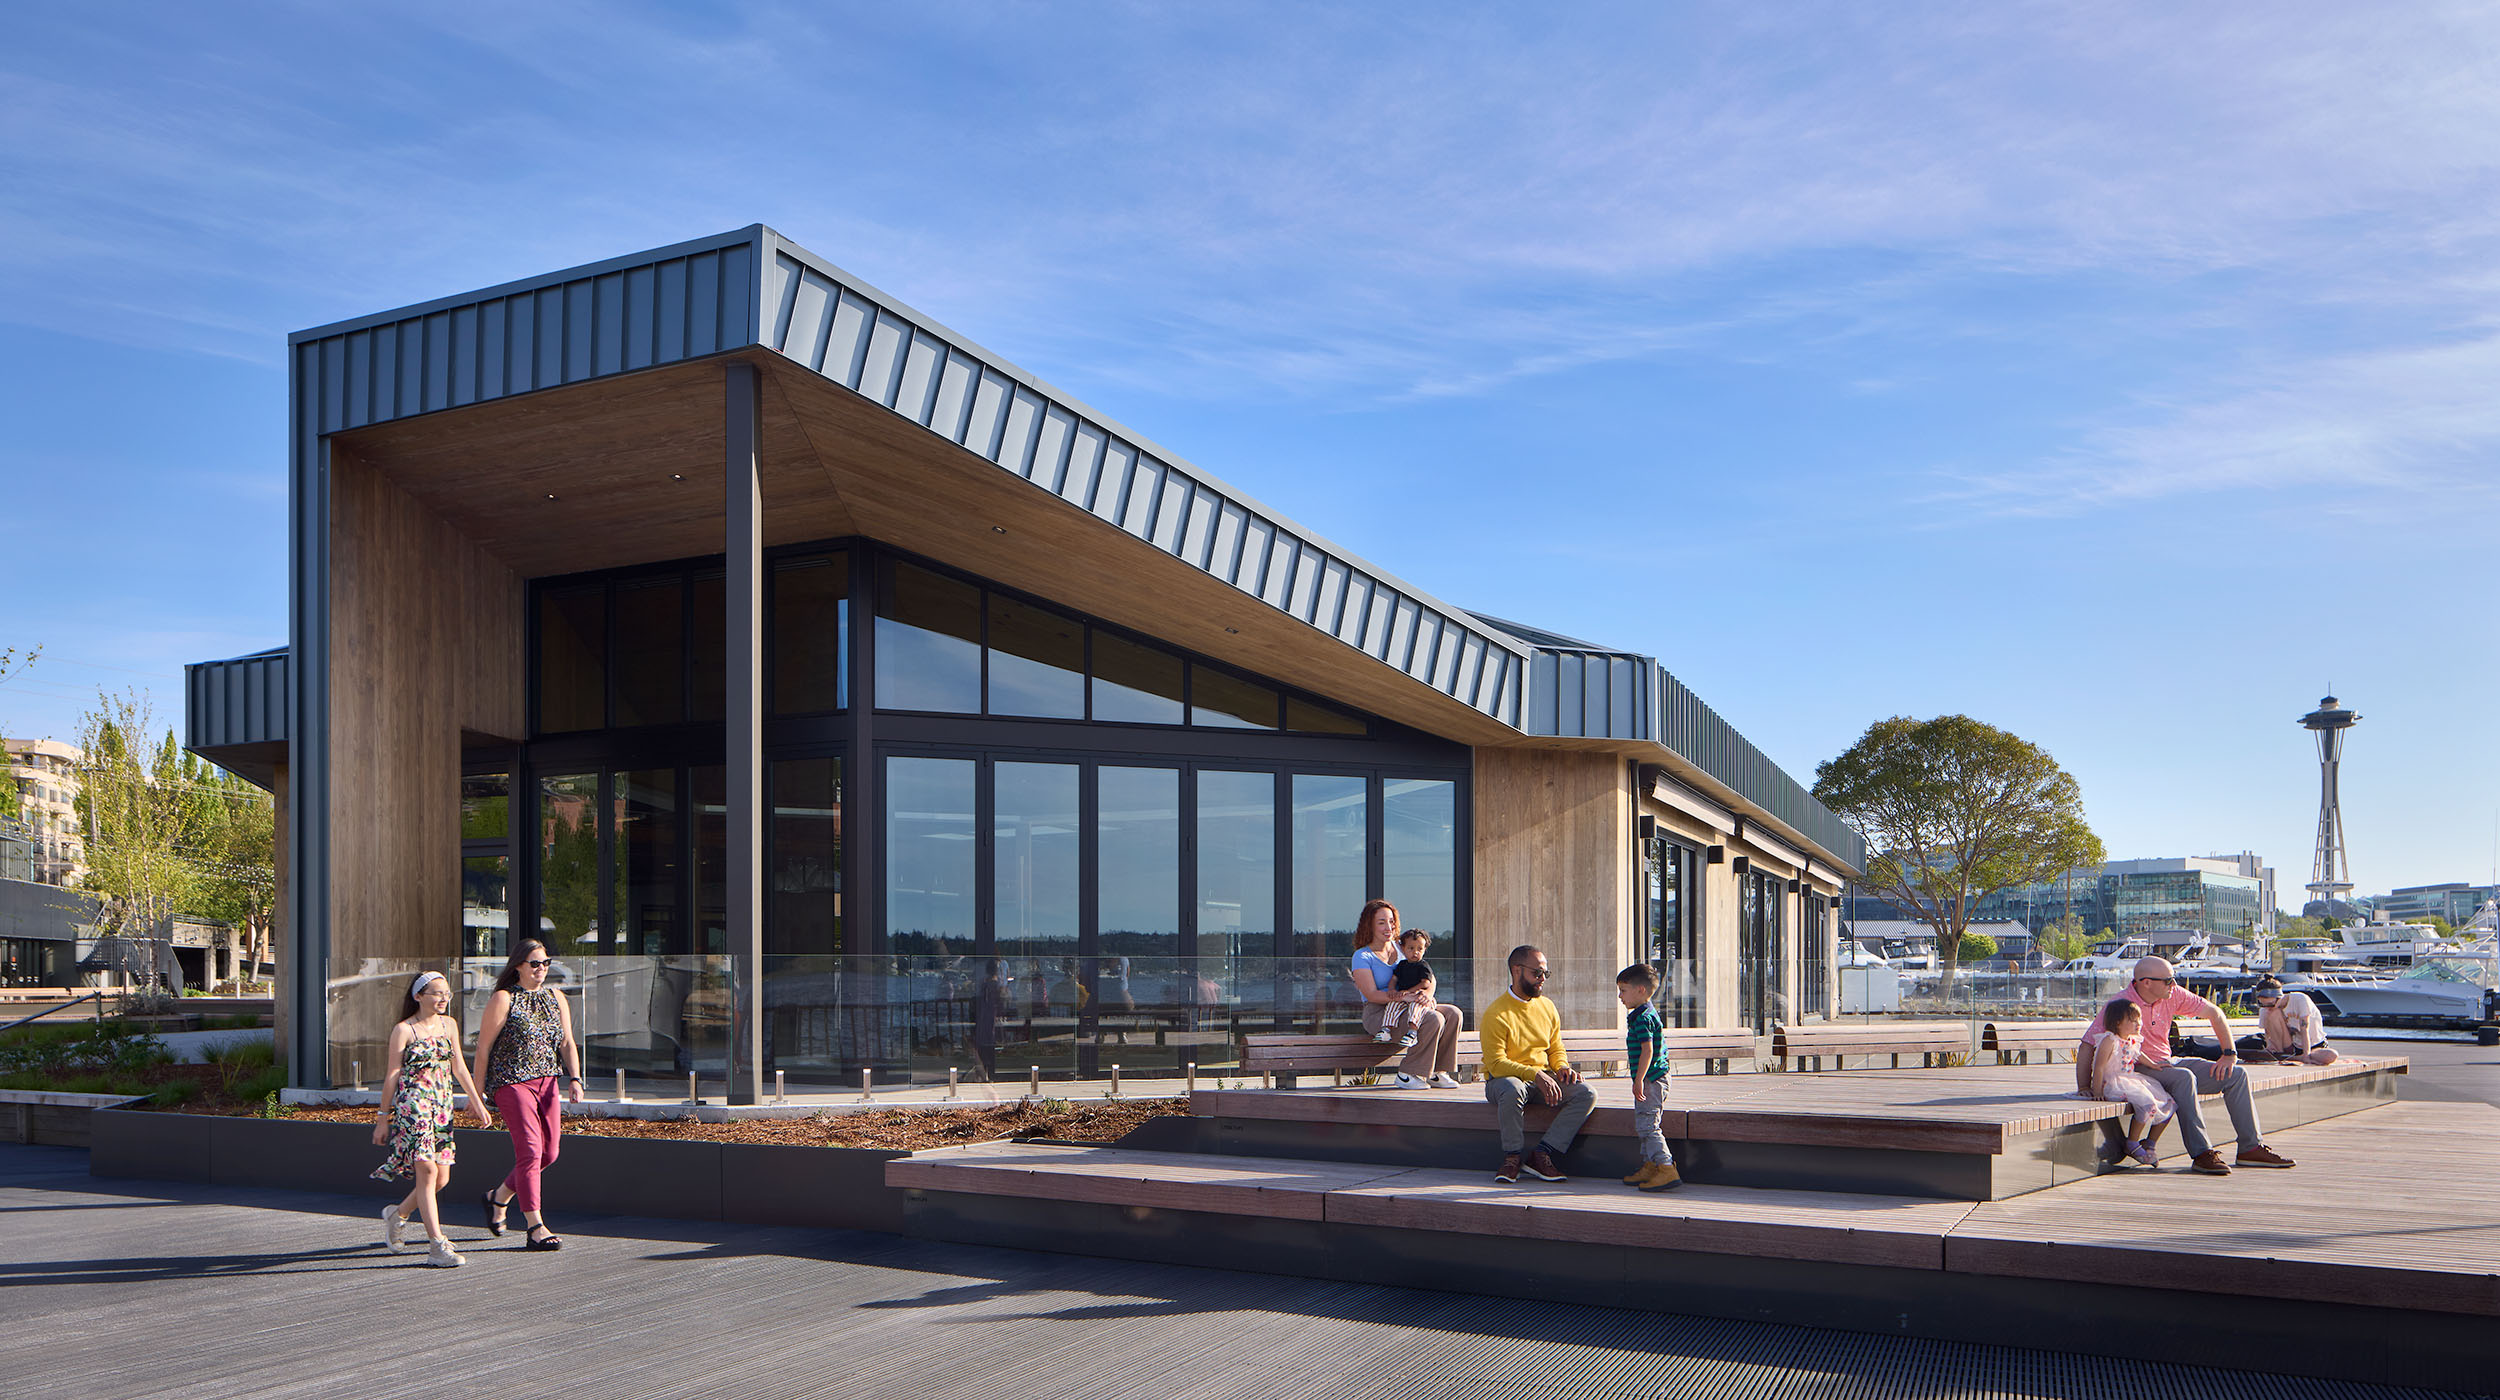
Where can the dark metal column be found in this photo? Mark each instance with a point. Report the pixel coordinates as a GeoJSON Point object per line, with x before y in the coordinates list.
{"type": "Point", "coordinates": [744, 589]}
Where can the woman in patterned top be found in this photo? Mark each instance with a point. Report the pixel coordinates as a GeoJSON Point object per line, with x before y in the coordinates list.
{"type": "Point", "coordinates": [415, 1116]}
{"type": "Point", "coordinates": [523, 1044]}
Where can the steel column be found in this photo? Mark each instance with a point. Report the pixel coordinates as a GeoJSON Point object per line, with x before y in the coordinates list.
{"type": "Point", "coordinates": [744, 590]}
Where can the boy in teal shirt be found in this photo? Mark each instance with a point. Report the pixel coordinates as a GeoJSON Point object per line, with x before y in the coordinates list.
{"type": "Point", "coordinates": [1645, 1050]}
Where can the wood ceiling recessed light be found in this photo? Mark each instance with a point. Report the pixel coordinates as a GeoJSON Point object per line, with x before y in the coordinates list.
{"type": "Point", "coordinates": [1233, 631]}
{"type": "Point", "coordinates": [998, 529]}
{"type": "Point", "coordinates": [675, 477]}
{"type": "Point", "coordinates": [551, 495]}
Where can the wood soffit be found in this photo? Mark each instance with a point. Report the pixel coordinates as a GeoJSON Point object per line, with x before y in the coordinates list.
{"type": "Point", "coordinates": [634, 466]}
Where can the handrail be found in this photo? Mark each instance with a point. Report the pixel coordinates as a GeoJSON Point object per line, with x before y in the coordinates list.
{"type": "Point", "coordinates": [96, 996]}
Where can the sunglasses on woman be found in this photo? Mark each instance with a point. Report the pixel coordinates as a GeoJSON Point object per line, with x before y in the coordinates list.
{"type": "Point", "coordinates": [537, 962]}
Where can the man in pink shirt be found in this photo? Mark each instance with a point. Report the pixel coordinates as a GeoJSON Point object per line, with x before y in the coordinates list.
{"type": "Point", "coordinates": [2156, 988]}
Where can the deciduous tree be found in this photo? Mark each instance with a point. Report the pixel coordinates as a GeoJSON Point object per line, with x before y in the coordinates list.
{"type": "Point", "coordinates": [1955, 810]}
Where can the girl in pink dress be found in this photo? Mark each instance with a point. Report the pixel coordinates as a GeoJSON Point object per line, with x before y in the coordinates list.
{"type": "Point", "coordinates": [2114, 1076]}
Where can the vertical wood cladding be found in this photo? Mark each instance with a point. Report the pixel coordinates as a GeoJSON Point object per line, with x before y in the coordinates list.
{"type": "Point", "coordinates": [1553, 867]}
{"type": "Point", "coordinates": [428, 627]}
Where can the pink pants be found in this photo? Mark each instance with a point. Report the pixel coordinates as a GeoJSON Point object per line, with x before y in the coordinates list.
{"type": "Point", "coordinates": [535, 1118]}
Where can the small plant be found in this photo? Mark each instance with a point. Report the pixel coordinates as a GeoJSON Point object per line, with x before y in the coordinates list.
{"type": "Point", "coordinates": [271, 1108]}
{"type": "Point", "coordinates": [1053, 1105]}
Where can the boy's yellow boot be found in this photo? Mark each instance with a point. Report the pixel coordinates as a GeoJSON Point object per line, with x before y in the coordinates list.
{"type": "Point", "coordinates": [1658, 1176]}
{"type": "Point", "coordinates": [1637, 1173]}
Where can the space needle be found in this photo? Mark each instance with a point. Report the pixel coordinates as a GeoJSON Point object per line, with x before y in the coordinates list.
{"type": "Point", "coordinates": [2330, 877]}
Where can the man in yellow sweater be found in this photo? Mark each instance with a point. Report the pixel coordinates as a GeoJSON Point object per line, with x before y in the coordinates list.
{"type": "Point", "coordinates": [1523, 1055]}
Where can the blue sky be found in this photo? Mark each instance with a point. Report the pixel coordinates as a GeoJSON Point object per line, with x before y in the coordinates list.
{"type": "Point", "coordinates": [2122, 376]}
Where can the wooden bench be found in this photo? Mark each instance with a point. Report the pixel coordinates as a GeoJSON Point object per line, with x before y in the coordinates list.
{"type": "Point", "coordinates": [1792, 1046]}
{"type": "Point", "coordinates": [1286, 1056]}
{"type": "Point", "coordinates": [2022, 1037]}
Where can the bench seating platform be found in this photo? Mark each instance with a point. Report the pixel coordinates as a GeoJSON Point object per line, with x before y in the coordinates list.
{"type": "Point", "coordinates": [1976, 1133]}
{"type": "Point", "coordinates": [2370, 1262]}
{"type": "Point", "coordinates": [1795, 1046]}
{"type": "Point", "coordinates": [1290, 1056]}
{"type": "Point", "coordinates": [2003, 1038]}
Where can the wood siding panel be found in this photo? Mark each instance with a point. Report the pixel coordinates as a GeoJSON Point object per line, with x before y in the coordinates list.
{"type": "Point", "coordinates": [1553, 867]}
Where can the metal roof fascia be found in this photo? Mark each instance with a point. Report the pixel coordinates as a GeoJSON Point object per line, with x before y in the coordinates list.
{"type": "Point", "coordinates": [773, 242]}
{"type": "Point", "coordinates": [710, 244]}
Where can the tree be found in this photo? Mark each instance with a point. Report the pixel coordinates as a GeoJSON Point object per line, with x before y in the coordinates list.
{"type": "Point", "coordinates": [2064, 939]}
{"type": "Point", "coordinates": [1976, 947]}
{"type": "Point", "coordinates": [12, 796]}
{"type": "Point", "coordinates": [2440, 928]}
{"type": "Point", "coordinates": [234, 826]}
{"type": "Point", "coordinates": [1955, 810]}
{"type": "Point", "coordinates": [134, 807]}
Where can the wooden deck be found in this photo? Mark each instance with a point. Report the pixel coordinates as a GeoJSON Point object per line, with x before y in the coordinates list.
{"type": "Point", "coordinates": [2393, 1208]}
{"type": "Point", "coordinates": [1982, 1109]}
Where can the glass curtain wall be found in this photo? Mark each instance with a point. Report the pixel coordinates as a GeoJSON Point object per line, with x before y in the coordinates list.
{"type": "Point", "coordinates": [1675, 938]}
{"type": "Point", "coordinates": [1814, 957]}
{"type": "Point", "coordinates": [1763, 962]}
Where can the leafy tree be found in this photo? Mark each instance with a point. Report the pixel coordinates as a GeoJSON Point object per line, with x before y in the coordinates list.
{"type": "Point", "coordinates": [2065, 939]}
{"type": "Point", "coordinates": [1956, 810]}
{"type": "Point", "coordinates": [2440, 928]}
{"type": "Point", "coordinates": [141, 824]}
{"type": "Point", "coordinates": [234, 830]}
{"type": "Point", "coordinates": [1976, 947]}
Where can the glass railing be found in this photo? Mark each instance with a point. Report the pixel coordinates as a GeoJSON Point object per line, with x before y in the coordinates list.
{"type": "Point", "coordinates": [914, 1019]}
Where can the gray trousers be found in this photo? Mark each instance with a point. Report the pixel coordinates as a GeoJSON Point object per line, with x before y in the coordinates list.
{"type": "Point", "coordinates": [2185, 1079]}
{"type": "Point", "coordinates": [1649, 1103]}
{"type": "Point", "coordinates": [1510, 1098]}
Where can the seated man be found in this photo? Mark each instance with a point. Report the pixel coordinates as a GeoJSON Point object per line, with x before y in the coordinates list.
{"type": "Point", "coordinates": [2295, 1032]}
{"type": "Point", "coordinates": [2157, 990]}
{"type": "Point", "coordinates": [1523, 1055]}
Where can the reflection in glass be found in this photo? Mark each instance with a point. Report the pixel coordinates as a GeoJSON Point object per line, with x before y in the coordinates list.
{"type": "Point", "coordinates": [647, 865]}
{"type": "Point", "coordinates": [1138, 844]}
{"type": "Point", "coordinates": [568, 861]}
{"type": "Point", "coordinates": [1419, 860]}
{"type": "Point", "coordinates": [1134, 683]}
{"type": "Point", "coordinates": [1037, 661]}
{"type": "Point", "coordinates": [707, 633]}
{"type": "Point", "coordinates": [1675, 942]}
{"type": "Point", "coordinates": [1311, 717]}
{"type": "Point", "coordinates": [572, 658]}
{"type": "Point", "coordinates": [1330, 875]}
{"type": "Point", "coordinates": [650, 652]}
{"type": "Point", "coordinates": [710, 800]}
{"type": "Point", "coordinates": [1034, 891]}
{"type": "Point", "coordinates": [803, 905]}
{"type": "Point", "coordinates": [1236, 887]}
{"type": "Point", "coordinates": [928, 642]}
{"type": "Point", "coordinates": [809, 598]}
{"type": "Point", "coordinates": [484, 806]}
{"type": "Point", "coordinates": [1222, 700]}
{"type": "Point", "coordinates": [485, 907]}
{"type": "Point", "coordinates": [929, 855]}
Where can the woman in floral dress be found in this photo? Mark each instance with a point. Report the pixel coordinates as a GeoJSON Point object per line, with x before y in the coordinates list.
{"type": "Point", "coordinates": [415, 1118]}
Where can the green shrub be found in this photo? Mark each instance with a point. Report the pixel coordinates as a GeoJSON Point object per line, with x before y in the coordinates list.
{"type": "Point", "coordinates": [240, 1021]}
{"type": "Point", "coordinates": [174, 1092]}
{"type": "Point", "coordinates": [244, 1055]}
{"type": "Point", "coordinates": [263, 1085]}
{"type": "Point", "coordinates": [71, 1049]}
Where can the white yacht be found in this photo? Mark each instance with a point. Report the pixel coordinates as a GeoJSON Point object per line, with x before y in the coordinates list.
{"type": "Point", "coordinates": [2390, 944]}
{"type": "Point", "coordinates": [2458, 989]}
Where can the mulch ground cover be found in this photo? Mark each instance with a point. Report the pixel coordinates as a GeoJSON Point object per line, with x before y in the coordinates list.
{"type": "Point", "coordinates": [893, 1129]}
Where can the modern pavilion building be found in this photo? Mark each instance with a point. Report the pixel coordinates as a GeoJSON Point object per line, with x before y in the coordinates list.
{"type": "Point", "coordinates": [834, 696]}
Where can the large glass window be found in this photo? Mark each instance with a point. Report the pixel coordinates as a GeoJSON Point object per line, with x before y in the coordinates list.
{"type": "Point", "coordinates": [1033, 899]}
{"type": "Point", "coordinates": [1137, 836]}
{"type": "Point", "coordinates": [930, 856]}
{"type": "Point", "coordinates": [1762, 969]}
{"type": "Point", "coordinates": [649, 871]}
{"type": "Point", "coordinates": [1236, 870]}
{"type": "Point", "coordinates": [650, 651]}
{"type": "Point", "coordinates": [1222, 700]}
{"type": "Point", "coordinates": [928, 642]}
{"type": "Point", "coordinates": [1135, 683]}
{"type": "Point", "coordinates": [810, 601]}
{"type": "Point", "coordinates": [707, 645]}
{"type": "Point", "coordinates": [803, 911]}
{"type": "Point", "coordinates": [1675, 941]}
{"type": "Point", "coordinates": [1037, 661]}
{"type": "Point", "coordinates": [568, 860]}
{"type": "Point", "coordinates": [1331, 877]}
{"type": "Point", "coordinates": [709, 798]}
{"type": "Point", "coordinates": [572, 658]}
{"type": "Point", "coordinates": [1814, 958]}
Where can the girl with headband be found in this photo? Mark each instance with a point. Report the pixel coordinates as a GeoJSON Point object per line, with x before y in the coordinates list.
{"type": "Point", "coordinates": [415, 1117]}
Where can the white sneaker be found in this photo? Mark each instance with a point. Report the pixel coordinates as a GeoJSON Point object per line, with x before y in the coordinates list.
{"type": "Point", "coordinates": [1380, 1037]}
{"type": "Point", "coordinates": [1408, 1081]}
{"type": "Point", "coordinates": [1443, 1081]}
{"type": "Point", "coordinates": [392, 1223]}
{"type": "Point", "coordinates": [441, 1255]}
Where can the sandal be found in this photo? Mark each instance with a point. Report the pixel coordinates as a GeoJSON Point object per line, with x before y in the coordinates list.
{"type": "Point", "coordinates": [552, 1241]}
{"type": "Point", "coordinates": [494, 1212]}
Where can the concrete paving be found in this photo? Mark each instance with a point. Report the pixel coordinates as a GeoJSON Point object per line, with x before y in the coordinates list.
{"type": "Point", "coordinates": [149, 1289]}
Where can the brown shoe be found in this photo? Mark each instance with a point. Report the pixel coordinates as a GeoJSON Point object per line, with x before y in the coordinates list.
{"type": "Point", "coordinates": [1540, 1165]}
{"type": "Point", "coordinates": [1508, 1173]}
{"type": "Point", "coordinates": [2210, 1163]}
{"type": "Point", "coordinates": [2263, 1156]}
{"type": "Point", "coordinates": [1637, 1173]}
{"type": "Point", "coordinates": [1660, 1176]}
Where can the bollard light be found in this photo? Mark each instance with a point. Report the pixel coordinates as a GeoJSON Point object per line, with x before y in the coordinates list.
{"type": "Point", "coordinates": [1193, 1077]}
{"type": "Point", "coordinates": [620, 1084]}
{"type": "Point", "coordinates": [781, 1086]}
{"type": "Point", "coordinates": [1036, 1080]}
{"type": "Point", "coordinates": [1115, 1081]}
{"type": "Point", "coordinates": [355, 1074]}
{"type": "Point", "coordinates": [867, 1086]}
{"type": "Point", "coordinates": [690, 1095]}
{"type": "Point", "coordinates": [951, 1081]}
